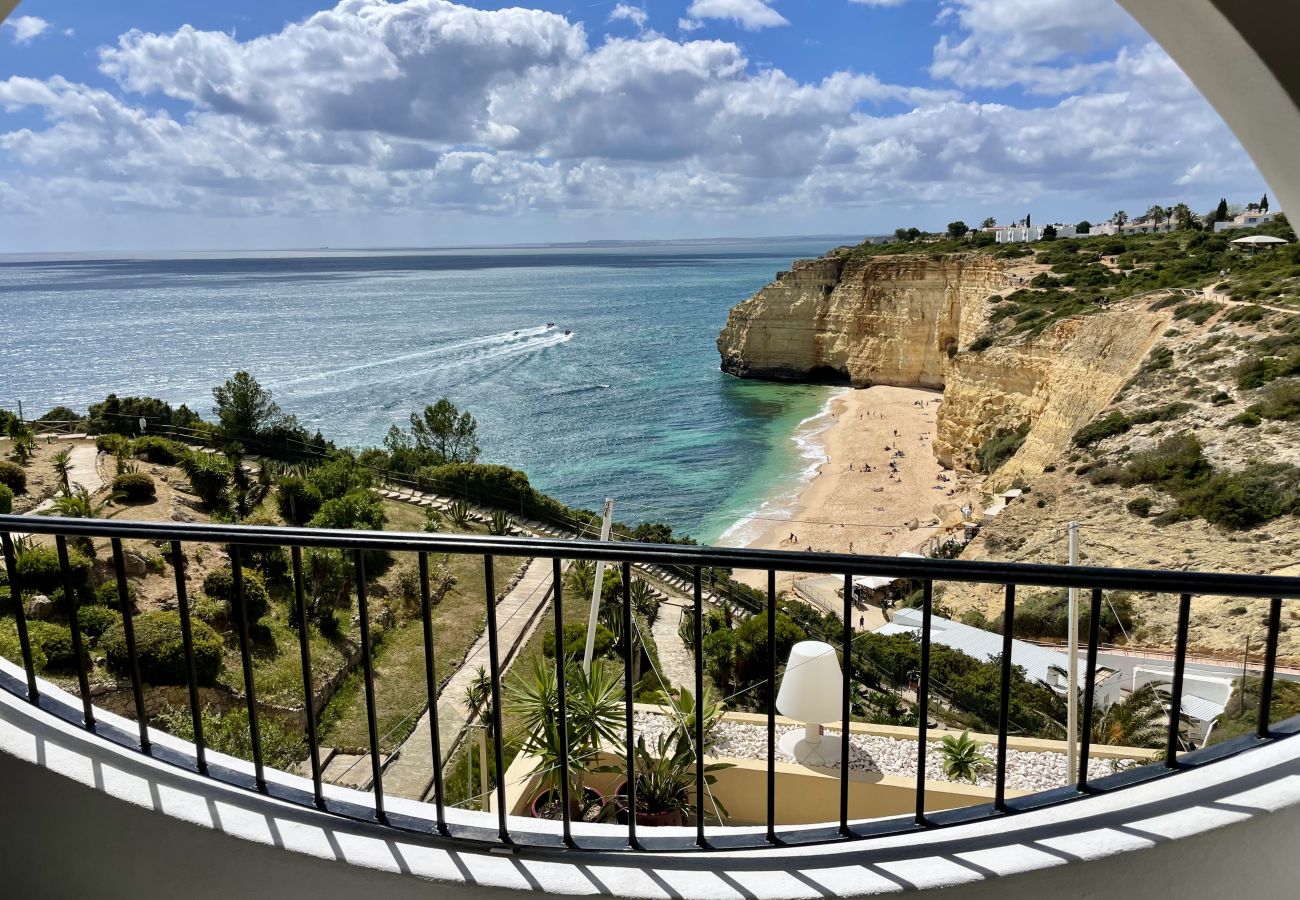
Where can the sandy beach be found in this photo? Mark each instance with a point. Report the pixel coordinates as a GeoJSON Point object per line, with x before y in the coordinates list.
{"type": "Point", "coordinates": [880, 490]}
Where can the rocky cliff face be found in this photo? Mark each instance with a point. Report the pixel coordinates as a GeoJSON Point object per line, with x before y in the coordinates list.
{"type": "Point", "coordinates": [909, 321]}
{"type": "Point", "coordinates": [863, 321]}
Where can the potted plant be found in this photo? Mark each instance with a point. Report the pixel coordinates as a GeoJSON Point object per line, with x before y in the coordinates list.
{"type": "Point", "coordinates": [664, 783]}
{"type": "Point", "coordinates": [594, 722]}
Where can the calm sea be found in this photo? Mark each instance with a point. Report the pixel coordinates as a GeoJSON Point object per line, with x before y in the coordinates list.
{"type": "Point", "coordinates": [628, 404]}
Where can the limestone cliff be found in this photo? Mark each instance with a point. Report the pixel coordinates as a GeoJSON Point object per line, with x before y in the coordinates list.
{"type": "Point", "coordinates": [910, 320]}
{"type": "Point", "coordinates": [882, 320]}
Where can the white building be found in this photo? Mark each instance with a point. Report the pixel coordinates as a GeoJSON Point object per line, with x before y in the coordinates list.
{"type": "Point", "coordinates": [1012, 234]}
{"type": "Point", "coordinates": [1246, 220]}
{"type": "Point", "coordinates": [1205, 697]}
{"type": "Point", "coordinates": [1039, 663]}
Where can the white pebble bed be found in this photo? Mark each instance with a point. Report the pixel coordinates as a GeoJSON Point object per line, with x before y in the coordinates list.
{"type": "Point", "coordinates": [1026, 771]}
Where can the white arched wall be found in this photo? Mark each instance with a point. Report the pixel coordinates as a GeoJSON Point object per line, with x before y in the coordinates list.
{"type": "Point", "coordinates": [1244, 57]}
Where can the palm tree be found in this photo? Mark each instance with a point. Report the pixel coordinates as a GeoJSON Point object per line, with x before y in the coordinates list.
{"type": "Point", "coordinates": [581, 577]}
{"type": "Point", "coordinates": [478, 692]}
{"type": "Point", "coordinates": [1139, 720]}
{"type": "Point", "coordinates": [62, 462]}
{"type": "Point", "coordinates": [1120, 217]}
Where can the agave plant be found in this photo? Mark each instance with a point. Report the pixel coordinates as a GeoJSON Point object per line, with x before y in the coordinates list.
{"type": "Point", "coordinates": [459, 513]}
{"type": "Point", "coordinates": [78, 504]}
{"type": "Point", "coordinates": [682, 706]}
{"type": "Point", "coordinates": [963, 757]}
{"type": "Point", "coordinates": [432, 519]}
{"type": "Point", "coordinates": [500, 523]}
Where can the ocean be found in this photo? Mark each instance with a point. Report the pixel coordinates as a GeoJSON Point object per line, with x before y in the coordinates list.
{"type": "Point", "coordinates": [621, 398]}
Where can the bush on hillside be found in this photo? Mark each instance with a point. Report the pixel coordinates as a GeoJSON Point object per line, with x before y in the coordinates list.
{"type": "Point", "coordinates": [209, 475]}
{"type": "Point", "coordinates": [158, 450]}
{"type": "Point", "coordinates": [1109, 425]}
{"type": "Point", "coordinates": [297, 500]}
{"type": "Point", "coordinates": [13, 476]}
{"type": "Point", "coordinates": [160, 649]}
{"type": "Point", "coordinates": [338, 477]}
{"type": "Point", "coordinates": [1245, 499]}
{"type": "Point", "coordinates": [220, 585]}
{"type": "Point", "coordinates": [135, 487]}
{"type": "Point", "coordinates": [1175, 464]}
{"type": "Point", "coordinates": [575, 641]}
{"type": "Point", "coordinates": [38, 569]}
{"type": "Point", "coordinates": [95, 620]}
{"type": "Point", "coordinates": [1001, 447]}
{"type": "Point", "coordinates": [6, 500]}
{"type": "Point", "coordinates": [1280, 401]}
{"type": "Point", "coordinates": [52, 647]}
{"type": "Point", "coordinates": [112, 444]}
{"type": "Point", "coordinates": [358, 509]}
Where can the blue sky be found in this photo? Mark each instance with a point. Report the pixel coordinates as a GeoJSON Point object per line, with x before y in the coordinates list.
{"type": "Point", "coordinates": [145, 124]}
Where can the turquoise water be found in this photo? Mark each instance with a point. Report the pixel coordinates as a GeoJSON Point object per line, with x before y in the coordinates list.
{"type": "Point", "coordinates": [630, 405]}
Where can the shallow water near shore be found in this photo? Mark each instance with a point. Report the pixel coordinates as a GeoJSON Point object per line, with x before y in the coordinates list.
{"type": "Point", "coordinates": [629, 404]}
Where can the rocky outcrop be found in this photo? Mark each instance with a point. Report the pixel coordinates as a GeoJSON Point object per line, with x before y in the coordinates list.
{"type": "Point", "coordinates": [910, 320]}
{"type": "Point", "coordinates": [861, 320]}
{"type": "Point", "coordinates": [1056, 383]}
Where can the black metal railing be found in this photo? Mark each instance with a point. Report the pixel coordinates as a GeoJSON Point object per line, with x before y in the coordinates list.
{"type": "Point", "coordinates": [502, 832]}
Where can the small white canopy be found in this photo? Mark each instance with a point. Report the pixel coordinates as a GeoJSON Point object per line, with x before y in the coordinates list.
{"type": "Point", "coordinates": [873, 582]}
{"type": "Point", "coordinates": [1260, 239]}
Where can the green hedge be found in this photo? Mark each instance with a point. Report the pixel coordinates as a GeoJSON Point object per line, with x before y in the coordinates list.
{"type": "Point", "coordinates": [13, 476]}
{"type": "Point", "coordinates": [6, 500]}
{"type": "Point", "coordinates": [38, 569]}
{"type": "Point", "coordinates": [158, 450]}
{"type": "Point", "coordinates": [161, 650]}
{"type": "Point", "coordinates": [52, 647]}
{"type": "Point", "coordinates": [135, 487]}
{"type": "Point", "coordinates": [111, 444]}
{"type": "Point", "coordinates": [95, 620]}
{"type": "Point", "coordinates": [220, 585]}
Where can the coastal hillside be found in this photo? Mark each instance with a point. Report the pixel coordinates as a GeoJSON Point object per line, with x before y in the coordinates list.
{"type": "Point", "coordinates": [1150, 394]}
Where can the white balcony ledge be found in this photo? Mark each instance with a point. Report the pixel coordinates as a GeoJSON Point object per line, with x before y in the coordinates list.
{"type": "Point", "coordinates": [80, 816]}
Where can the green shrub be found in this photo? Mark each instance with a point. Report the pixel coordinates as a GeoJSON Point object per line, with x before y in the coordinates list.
{"type": "Point", "coordinates": [282, 747]}
{"type": "Point", "coordinates": [38, 569]}
{"type": "Point", "coordinates": [161, 651]}
{"type": "Point", "coordinates": [52, 647]}
{"type": "Point", "coordinates": [220, 585]}
{"type": "Point", "coordinates": [1281, 400]}
{"type": "Point", "coordinates": [1166, 413]}
{"type": "Point", "coordinates": [95, 620]}
{"type": "Point", "coordinates": [13, 476]}
{"type": "Point", "coordinates": [1196, 311]}
{"type": "Point", "coordinates": [1175, 464]}
{"type": "Point", "coordinates": [1109, 425]}
{"type": "Point", "coordinates": [1160, 358]}
{"type": "Point", "coordinates": [112, 444]}
{"type": "Point", "coordinates": [6, 500]}
{"type": "Point", "coordinates": [158, 450]}
{"type": "Point", "coordinates": [1139, 506]}
{"type": "Point", "coordinates": [1001, 447]}
{"type": "Point", "coordinates": [1245, 499]}
{"type": "Point", "coordinates": [338, 477]}
{"type": "Point", "coordinates": [575, 641]}
{"type": "Point", "coordinates": [297, 500]}
{"type": "Point", "coordinates": [1247, 419]}
{"type": "Point", "coordinates": [135, 487]}
{"type": "Point", "coordinates": [357, 509]}
{"type": "Point", "coordinates": [981, 343]}
{"type": "Point", "coordinates": [1247, 314]}
{"type": "Point", "coordinates": [209, 475]}
{"type": "Point", "coordinates": [106, 594]}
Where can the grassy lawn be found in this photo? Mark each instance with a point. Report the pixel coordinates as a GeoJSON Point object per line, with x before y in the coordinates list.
{"type": "Point", "coordinates": [400, 690]}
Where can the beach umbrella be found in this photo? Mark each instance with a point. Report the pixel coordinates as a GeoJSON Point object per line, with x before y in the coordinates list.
{"type": "Point", "coordinates": [1256, 241]}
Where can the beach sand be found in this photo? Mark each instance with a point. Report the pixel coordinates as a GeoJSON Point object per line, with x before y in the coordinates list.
{"type": "Point", "coordinates": [853, 510]}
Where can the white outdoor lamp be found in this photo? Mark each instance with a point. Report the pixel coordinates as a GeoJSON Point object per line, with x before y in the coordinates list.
{"type": "Point", "coordinates": [812, 691]}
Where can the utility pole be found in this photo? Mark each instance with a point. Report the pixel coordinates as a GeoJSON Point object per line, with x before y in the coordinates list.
{"type": "Point", "coordinates": [594, 613]}
{"type": "Point", "coordinates": [1072, 700]}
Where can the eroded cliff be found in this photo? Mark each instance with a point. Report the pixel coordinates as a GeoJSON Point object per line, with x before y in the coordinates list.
{"type": "Point", "coordinates": [910, 321]}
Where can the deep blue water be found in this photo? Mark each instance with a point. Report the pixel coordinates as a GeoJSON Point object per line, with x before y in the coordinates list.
{"type": "Point", "coordinates": [630, 405]}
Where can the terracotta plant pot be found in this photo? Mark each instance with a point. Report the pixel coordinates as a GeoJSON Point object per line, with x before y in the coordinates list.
{"type": "Point", "coordinates": [593, 797]}
{"type": "Point", "coordinates": [672, 817]}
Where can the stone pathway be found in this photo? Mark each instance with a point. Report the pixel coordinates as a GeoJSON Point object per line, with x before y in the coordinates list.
{"type": "Point", "coordinates": [410, 773]}
{"type": "Point", "coordinates": [676, 663]}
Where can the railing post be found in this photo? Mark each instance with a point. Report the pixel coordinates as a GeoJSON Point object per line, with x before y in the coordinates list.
{"type": "Point", "coordinates": [368, 677]}
{"type": "Point", "coordinates": [1176, 695]}
{"type": "Point", "coordinates": [128, 634]}
{"type": "Point", "coordinates": [1004, 698]}
{"type": "Point", "coordinates": [79, 654]}
{"type": "Point", "coordinates": [494, 655]}
{"type": "Point", "coordinates": [308, 686]}
{"type": "Point", "coordinates": [246, 660]}
{"type": "Point", "coordinates": [431, 687]}
{"type": "Point", "coordinates": [771, 706]}
{"type": "Point", "coordinates": [187, 645]}
{"type": "Point", "coordinates": [1270, 665]}
{"type": "Point", "coordinates": [20, 615]}
{"type": "Point", "coordinates": [923, 698]}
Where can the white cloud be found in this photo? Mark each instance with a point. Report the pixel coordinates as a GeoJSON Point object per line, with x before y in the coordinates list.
{"type": "Point", "coordinates": [689, 25]}
{"type": "Point", "coordinates": [1043, 45]}
{"type": "Point", "coordinates": [634, 14]}
{"type": "Point", "coordinates": [752, 15]}
{"type": "Point", "coordinates": [427, 107]}
{"type": "Point", "coordinates": [27, 28]}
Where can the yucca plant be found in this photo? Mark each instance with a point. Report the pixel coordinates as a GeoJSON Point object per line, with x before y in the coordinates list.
{"type": "Point", "coordinates": [645, 601]}
{"type": "Point", "coordinates": [581, 577]}
{"type": "Point", "coordinates": [593, 721]}
{"type": "Point", "coordinates": [459, 513]}
{"type": "Point", "coordinates": [62, 462]}
{"type": "Point", "coordinates": [665, 780]}
{"type": "Point", "coordinates": [682, 706]}
{"type": "Point", "coordinates": [500, 523]}
{"type": "Point", "coordinates": [963, 757]}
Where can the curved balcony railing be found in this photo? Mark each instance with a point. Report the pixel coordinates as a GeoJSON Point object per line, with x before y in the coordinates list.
{"type": "Point", "coordinates": [497, 829]}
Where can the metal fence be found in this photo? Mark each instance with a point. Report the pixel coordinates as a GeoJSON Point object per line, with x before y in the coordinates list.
{"type": "Point", "coordinates": [499, 832]}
